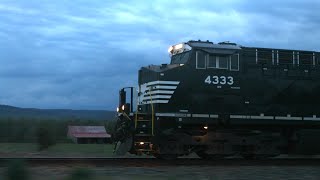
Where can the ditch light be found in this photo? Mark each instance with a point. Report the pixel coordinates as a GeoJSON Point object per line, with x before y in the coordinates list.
{"type": "Point", "coordinates": [179, 48]}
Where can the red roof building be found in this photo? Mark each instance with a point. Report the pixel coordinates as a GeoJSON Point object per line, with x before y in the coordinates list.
{"type": "Point", "coordinates": [88, 134]}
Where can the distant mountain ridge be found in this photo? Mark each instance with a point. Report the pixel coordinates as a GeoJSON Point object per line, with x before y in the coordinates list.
{"type": "Point", "coordinates": [12, 112]}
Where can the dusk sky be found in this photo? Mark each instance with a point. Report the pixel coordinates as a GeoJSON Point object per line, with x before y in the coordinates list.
{"type": "Point", "coordinates": [78, 54]}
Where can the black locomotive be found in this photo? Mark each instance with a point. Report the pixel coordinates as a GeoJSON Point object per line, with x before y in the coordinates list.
{"type": "Point", "coordinates": [219, 100]}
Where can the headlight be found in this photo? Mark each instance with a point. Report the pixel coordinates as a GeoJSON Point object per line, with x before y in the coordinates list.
{"type": "Point", "coordinates": [122, 107]}
{"type": "Point", "coordinates": [117, 109]}
{"type": "Point", "coordinates": [178, 46]}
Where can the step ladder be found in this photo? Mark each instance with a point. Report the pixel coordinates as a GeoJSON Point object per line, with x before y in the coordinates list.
{"type": "Point", "coordinates": [144, 130]}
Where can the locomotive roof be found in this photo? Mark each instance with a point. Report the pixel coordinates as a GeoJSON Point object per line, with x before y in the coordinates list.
{"type": "Point", "coordinates": [220, 48]}
{"type": "Point", "coordinates": [232, 46]}
{"type": "Point", "coordinates": [210, 45]}
{"type": "Point", "coordinates": [262, 48]}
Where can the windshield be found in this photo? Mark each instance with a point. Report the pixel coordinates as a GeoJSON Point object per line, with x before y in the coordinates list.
{"type": "Point", "coordinates": [181, 58]}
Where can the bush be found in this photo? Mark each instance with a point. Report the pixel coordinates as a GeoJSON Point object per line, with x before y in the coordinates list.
{"type": "Point", "coordinates": [17, 170]}
{"type": "Point", "coordinates": [81, 174]}
{"type": "Point", "coordinates": [44, 138]}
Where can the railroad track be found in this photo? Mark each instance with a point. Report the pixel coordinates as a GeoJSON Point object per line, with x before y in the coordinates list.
{"type": "Point", "coordinates": [151, 162]}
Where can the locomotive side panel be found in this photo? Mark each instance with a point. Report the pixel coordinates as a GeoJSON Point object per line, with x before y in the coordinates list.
{"type": "Point", "coordinates": [277, 87]}
{"type": "Point", "coordinates": [254, 89]}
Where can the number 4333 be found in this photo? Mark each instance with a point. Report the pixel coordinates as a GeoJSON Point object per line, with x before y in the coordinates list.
{"type": "Point", "coordinates": [219, 80]}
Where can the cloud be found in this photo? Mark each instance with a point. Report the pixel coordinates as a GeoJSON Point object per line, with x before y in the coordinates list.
{"type": "Point", "coordinates": [16, 10]}
{"type": "Point", "coordinates": [77, 54]}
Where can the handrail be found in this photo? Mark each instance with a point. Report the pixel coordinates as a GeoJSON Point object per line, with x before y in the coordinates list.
{"type": "Point", "coordinates": [125, 114]}
{"type": "Point", "coordinates": [152, 112]}
{"type": "Point", "coordinates": [136, 117]}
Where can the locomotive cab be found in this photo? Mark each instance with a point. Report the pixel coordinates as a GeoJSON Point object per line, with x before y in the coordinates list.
{"type": "Point", "coordinates": [196, 68]}
{"type": "Point", "coordinates": [164, 90]}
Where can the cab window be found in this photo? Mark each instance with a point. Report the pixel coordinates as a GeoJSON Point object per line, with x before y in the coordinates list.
{"type": "Point", "coordinates": [234, 62]}
{"type": "Point", "coordinates": [200, 60]}
{"type": "Point", "coordinates": [215, 61]}
{"type": "Point", "coordinates": [223, 62]}
{"type": "Point", "coordinates": [180, 58]}
{"type": "Point", "coordinates": [212, 61]}
{"type": "Point", "coordinates": [218, 62]}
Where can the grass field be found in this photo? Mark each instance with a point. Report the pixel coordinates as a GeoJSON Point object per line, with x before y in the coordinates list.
{"type": "Point", "coordinates": [61, 149]}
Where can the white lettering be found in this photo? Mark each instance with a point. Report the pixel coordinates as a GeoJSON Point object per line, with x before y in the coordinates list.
{"type": "Point", "coordinates": [219, 80]}
{"type": "Point", "coordinates": [207, 80]}
{"type": "Point", "coordinates": [230, 80]}
{"type": "Point", "coordinates": [215, 80]}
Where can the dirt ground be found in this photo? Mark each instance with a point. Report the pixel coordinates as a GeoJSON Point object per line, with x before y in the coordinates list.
{"type": "Point", "coordinates": [181, 172]}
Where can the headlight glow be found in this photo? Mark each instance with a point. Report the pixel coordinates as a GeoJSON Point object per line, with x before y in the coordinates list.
{"type": "Point", "coordinates": [178, 46]}
{"type": "Point", "coordinates": [122, 107]}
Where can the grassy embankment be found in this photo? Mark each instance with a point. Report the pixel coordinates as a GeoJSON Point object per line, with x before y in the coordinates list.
{"type": "Point", "coordinates": [60, 149]}
{"type": "Point", "coordinates": [18, 138]}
